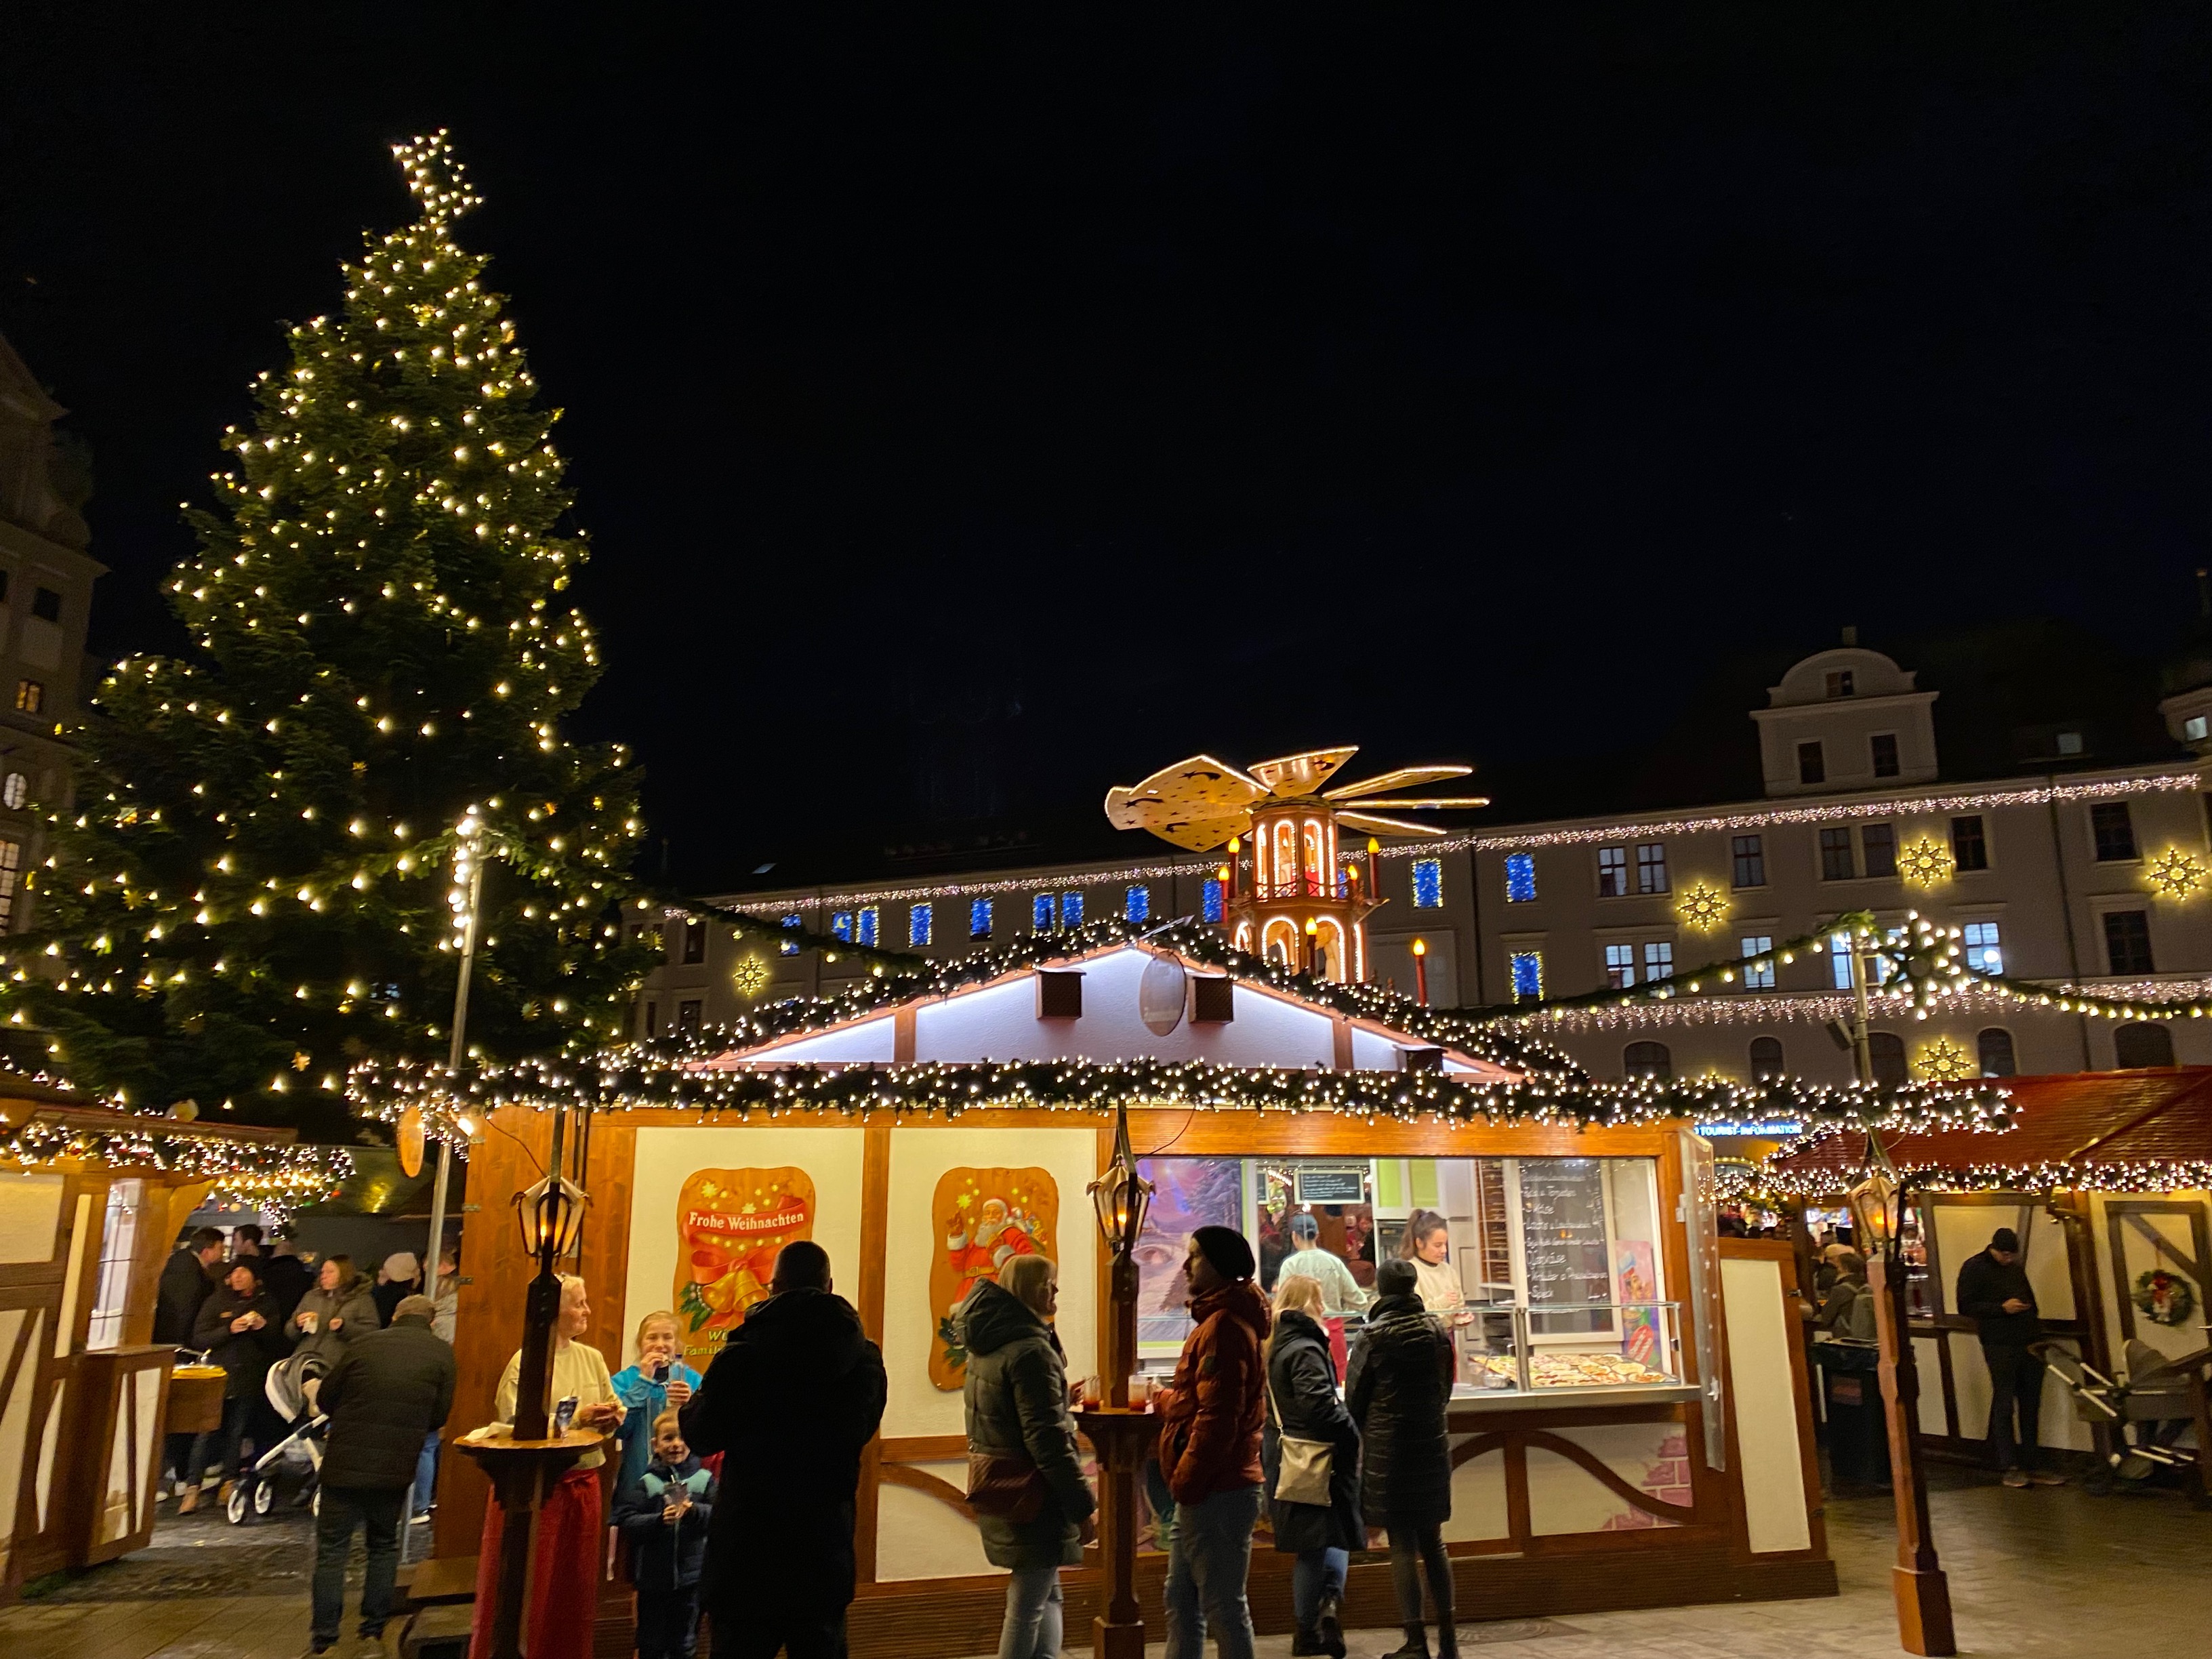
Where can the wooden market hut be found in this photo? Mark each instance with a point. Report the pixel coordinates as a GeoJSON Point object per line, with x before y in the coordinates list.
{"type": "Point", "coordinates": [91, 1198]}
{"type": "Point", "coordinates": [2104, 1176]}
{"type": "Point", "coordinates": [1635, 1428]}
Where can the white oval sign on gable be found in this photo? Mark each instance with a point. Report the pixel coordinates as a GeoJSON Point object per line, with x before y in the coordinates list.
{"type": "Point", "coordinates": [1160, 996]}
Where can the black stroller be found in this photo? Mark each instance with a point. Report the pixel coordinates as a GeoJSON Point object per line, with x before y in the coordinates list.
{"type": "Point", "coordinates": [290, 1387]}
{"type": "Point", "coordinates": [2147, 1413]}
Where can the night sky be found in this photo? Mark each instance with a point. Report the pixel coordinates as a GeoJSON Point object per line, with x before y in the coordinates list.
{"type": "Point", "coordinates": [973, 408]}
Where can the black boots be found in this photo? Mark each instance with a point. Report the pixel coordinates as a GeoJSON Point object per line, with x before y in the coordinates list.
{"type": "Point", "coordinates": [1417, 1642]}
{"type": "Point", "coordinates": [1306, 1644]}
{"type": "Point", "coordinates": [1329, 1629]}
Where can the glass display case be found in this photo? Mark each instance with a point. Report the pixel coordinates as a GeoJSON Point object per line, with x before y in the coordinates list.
{"type": "Point", "coordinates": [1500, 1349]}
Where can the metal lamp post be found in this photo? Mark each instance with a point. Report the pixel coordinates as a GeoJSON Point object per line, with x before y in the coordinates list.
{"type": "Point", "coordinates": [466, 898]}
{"type": "Point", "coordinates": [1120, 1433]}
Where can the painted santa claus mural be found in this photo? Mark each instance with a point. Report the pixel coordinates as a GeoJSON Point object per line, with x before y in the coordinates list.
{"type": "Point", "coordinates": [986, 1218]}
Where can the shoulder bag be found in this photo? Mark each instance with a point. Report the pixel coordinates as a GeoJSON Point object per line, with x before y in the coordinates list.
{"type": "Point", "coordinates": [1303, 1466]}
{"type": "Point", "coordinates": [1004, 1485]}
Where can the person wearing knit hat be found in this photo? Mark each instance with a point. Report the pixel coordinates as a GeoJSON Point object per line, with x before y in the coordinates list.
{"type": "Point", "coordinates": [1209, 1446]}
{"type": "Point", "coordinates": [1994, 1292]}
{"type": "Point", "coordinates": [401, 1276]}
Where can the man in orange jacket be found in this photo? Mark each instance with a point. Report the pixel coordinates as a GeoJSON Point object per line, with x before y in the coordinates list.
{"type": "Point", "coordinates": [1209, 1448]}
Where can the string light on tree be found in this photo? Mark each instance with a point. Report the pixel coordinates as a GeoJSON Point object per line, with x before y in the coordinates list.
{"type": "Point", "coordinates": [1703, 908]}
{"type": "Point", "coordinates": [2175, 876]}
{"type": "Point", "coordinates": [1925, 862]}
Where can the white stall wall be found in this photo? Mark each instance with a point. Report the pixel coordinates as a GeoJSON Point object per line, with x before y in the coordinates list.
{"type": "Point", "coordinates": [1764, 1394]}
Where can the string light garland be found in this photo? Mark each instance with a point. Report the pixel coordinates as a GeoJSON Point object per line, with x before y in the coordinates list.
{"type": "Point", "coordinates": [2175, 876]}
{"type": "Point", "coordinates": [1702, 908]}
{"type": "Point", "coordinates": [1996, 1175]}
{"type": "Point", "coordinates": [1925, 862]}
{"type": "Point", "coordinates": [271, 1179]}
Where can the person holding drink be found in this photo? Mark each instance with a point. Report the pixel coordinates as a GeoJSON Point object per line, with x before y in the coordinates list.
{"type": "Point", "coordinates": [338, 1309]}
{"type": "Point", "coordinates": [659, 1381]}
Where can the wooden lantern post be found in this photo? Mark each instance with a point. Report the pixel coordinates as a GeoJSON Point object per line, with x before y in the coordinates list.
{"type": "Point", "coordinates": [1119, 1432]}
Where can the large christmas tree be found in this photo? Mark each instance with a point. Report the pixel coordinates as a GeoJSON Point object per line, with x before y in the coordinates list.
{"type": "Point", "coordinates": [253, 891]}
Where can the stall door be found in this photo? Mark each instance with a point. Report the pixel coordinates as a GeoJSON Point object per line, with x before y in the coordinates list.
{"type": "Point", "coordinates": [40, 1273]}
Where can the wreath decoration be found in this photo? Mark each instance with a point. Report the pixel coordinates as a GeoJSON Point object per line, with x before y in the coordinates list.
{"type": "Point", "coordinates": [2164, 1298]}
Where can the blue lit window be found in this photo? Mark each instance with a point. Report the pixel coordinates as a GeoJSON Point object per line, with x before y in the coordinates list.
{"type": "Point", "coordinates": [979, 918]}
{"type": "Point", "coordinates": [1210, 899]}
{"type": "Point", "coordinates": [841, 925]}
{"type": "Point", "coordinates": [869, 918]}
{"type": "Point", "coordinates": [1984, 953]}
{"type": "Point", "coordinates": [1138, 904]}
{"type": "Point", "coordinates": [1043, 914]}
{"type": "Point", "coordinates": [918, 923]}
{"type": "Point", "coordinates": [1528, 968]}
{"type": "Point", "coordinates": [1428, 883]}
{"type": "Point", "coordinates": [1759, 976]}
{"type": "Point", "coordinates": [1071, 910]}
{"type": "Point", "coordinates": [789, 947]}
{"type": "Point", "coordinates": [1520, 878]}
{"type": "Point", "coordinates": [1343, 883]}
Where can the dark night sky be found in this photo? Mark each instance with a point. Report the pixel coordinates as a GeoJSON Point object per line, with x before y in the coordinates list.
{"type": "Point", "coordinates": [973, 408]}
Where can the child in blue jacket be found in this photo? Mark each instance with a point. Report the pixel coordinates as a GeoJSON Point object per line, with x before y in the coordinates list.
{"type": "Point", "coordinates": [664, 1516]}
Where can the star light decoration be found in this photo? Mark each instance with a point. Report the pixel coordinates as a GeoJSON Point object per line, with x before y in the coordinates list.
{"type": "Point", "coordinates": [749, 976]}
{"type": "Point", "coordinates": [1702, 908]}
{"type": "Point", "coordinates": [1925, 862]}
{"type": "Point", "coordinates": [2174, 876]}
{"type": "Point", "coordinates": [1944, 1061]}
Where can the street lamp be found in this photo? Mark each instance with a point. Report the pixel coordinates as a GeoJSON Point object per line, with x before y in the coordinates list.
{"type": "Point", "coordinates": [1879, 1202]}
{"type": "Point", "coordinates": [1120, 1196]}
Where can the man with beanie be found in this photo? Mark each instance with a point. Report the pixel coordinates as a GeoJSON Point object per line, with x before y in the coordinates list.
{"type": "Point", "coordinates": [1209, 1448]}
{"type": "Point", "coordinates": [1994, 1293]}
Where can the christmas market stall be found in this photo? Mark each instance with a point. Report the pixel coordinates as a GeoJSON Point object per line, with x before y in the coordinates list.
{"type": "Point", "coordinates": [1630, 1425]}
{"type": "Point", "coordinates": [91, 1198]}
{"type": "Point", "coordinates": [2105, 1178]}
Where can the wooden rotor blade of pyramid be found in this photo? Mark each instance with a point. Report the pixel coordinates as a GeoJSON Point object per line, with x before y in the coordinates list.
{"type": "Point", "coordinates": [1186, 802]}
{"type": "Point", "coordinates": [1381, 826]}
{"type": "Point", "coordinates": [1292, 776]}
{"type": "Point", "coordinates": [1428, 803]}
{"type": "Point", "coordinates": [1406, 777]}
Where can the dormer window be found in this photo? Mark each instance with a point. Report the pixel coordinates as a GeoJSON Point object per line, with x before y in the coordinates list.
{"type": "Point", "coordinates": [1840, 683]}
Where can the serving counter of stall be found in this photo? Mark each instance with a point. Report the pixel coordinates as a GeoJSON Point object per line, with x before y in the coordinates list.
{"type": "Point", "coordinates": [1631, 1392]}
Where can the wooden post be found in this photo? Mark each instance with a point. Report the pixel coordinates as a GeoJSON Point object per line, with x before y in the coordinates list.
{"type": "Point", "coordinates": [1924, 1595]}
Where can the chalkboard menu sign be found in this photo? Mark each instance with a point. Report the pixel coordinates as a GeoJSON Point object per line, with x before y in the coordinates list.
{"type": "Point", "coordinates": [1562, 1232]}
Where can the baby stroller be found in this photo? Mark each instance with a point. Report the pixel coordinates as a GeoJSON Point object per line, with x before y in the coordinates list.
{"type": "Point", "coordinates": [2147, 1411]}
{"type": "Point", "coordinates": [287, 1389]}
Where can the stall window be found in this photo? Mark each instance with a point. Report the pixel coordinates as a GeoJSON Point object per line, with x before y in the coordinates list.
{"type": "Point", "coordinates": [1995, 1045]}
{"type": "Point", "coordinates": [979, 918]}
{"type": "Point", "coordinates": [1970, 845]}
{"type": "Point", "coordinates": [2141, 1042]}
{"type": "Point", "coordinates": [1765, 1059]}
{"type": "Point", "coordinates": [1520, 878]}
{"type": "Point", "coordinates": [1647, 1060]}
{"type": "Point", "coordinates": [919, 921]}
{"type": "Point", "coordinates": [118, 1243]}
{"type": "Point", "coordinates": [1612, 872]}
{"type": "Point", "coordinates": [1621, 966]}
{"type": "Point", "coordinates": [1528, 975]}
{"type": "Point", "coordinates": [1211, 899]}
{"type": "Point", "coordinates": [1757, 976]}
{"type": "Point", "coordinates": [1428, 883]}
{"type": "Point", "coordinates": [1887, 1051]}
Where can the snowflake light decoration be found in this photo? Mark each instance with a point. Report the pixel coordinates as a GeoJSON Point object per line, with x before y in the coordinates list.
{"type": "Point", "coordinates": [2174, 875]}
{"type": "Point", "coordinates": [1925, 862]}
{"type": "Point", "coordinates": [1703, 908]}
{"type": "Point", "coordinates": [1944, 1061]}
{"type": "Point", "coordinates": [749, 976]}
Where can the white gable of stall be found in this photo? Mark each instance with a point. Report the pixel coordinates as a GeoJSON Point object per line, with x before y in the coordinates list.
{"type": "Point", "coordinates": [1000, 1021]}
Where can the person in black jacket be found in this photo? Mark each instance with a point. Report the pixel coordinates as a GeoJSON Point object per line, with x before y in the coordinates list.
{"type": "Point", "coordinates": [284, 1276]}
{"type": "Point", "coordinates": [389, 1389]}
{"type": "Point", "coordinates": [238, 1328]}
{"type": "Point", "coordinates": [791, 1400]}
{"type": "Point", "coordinates": [1302, 1403]}
{"type": "Point", "coordinates": [187, 1281]}
{"type": "Point", "coordinates": [665, 1513]}
{"type": "Point", "coordinates": [1994, 1293]}
{"type": "Point", "coordinates": [1399, 1383]}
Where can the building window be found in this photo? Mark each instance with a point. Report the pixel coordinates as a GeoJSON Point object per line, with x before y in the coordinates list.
{"type": "Point", "coordinates": [652, 1021]}
{"type": "Point", "coordinates": [30, 696]}
{"type": "Point", "coordinates": [1211, 899]}
{"type": "Point", "coordinates": [2069, 743]}
{"type": "Point", "coordinates": [1757, 976]}
{"type": "Point", "coordinates": [1994, 1046]}
{"type": "Point", "coordinates": [1137, 903]}
{"type": "Point", "coordinates": [2127, 941]}
{"type": "Point", "coordinates": [919, 922]}
{"type": "Point", "coordinates": [2141, 1042]}
{"type": "Point", "coordinates": [1839, 959]}
{"type": "Point", "coordinates": [871, 922]}
{"type": "Point", "coordinates": [1647, 1060]}
{"type": "Point", "coordinates": [2113, 829]}
{"type": "Point", "coordinates": [1658, 960]}
{"type": "Point", "coordinates": [789, 947]}
{"type": "Point", "coordinates": [1887, 1051]}
{"type": "Point", "coordinates": [695, 940]}
{"type": "Point", "coordinates": [1840, 683]}
{"type": "Point", "coordinates": [979, 918]}
{"type": "Point", "coordinates": [1984, 951]}
{"type": "Point", "coordinates": [46, 605]}
{"type": "Point", "coordinates": [1836, 855]}
{"type": "Point", "coordinates": [1765, 1059]}
{"type": "Point", "coordinates": [1621, 966]}
{"type": "Point", "coordinates": [1527, 967]}
{"type": "Point", "coordinates": [1612, 872]}
{"type": "Point", "coordinates": [1884, 745]}
{"type": "Point", "coordinates": [1811, 765]}
{"type": "Point", "coordinates": [1044, 914]}
{"type": "Point", "coordinates": [1651, 867]}
{"type": "Point", "coordinates": [11, 865]}
{"type": "Point", "coordinates": [2195, 728]}
{"type": "Point", "coordinates": [1428, 883]}
{"type": "Point", "coordinates": [1749, 853]}
{"type": "Point", "coordinates": [1970, 847]}
{"type": "Point", "coordinates": [1878, 843]}
{"type": "Point", "coordinates": [687, 1017]}
{"type": "Point", "coordinates": [841, 925]}
{"type": "Point", "coordinates": [14, 792]}
{"type": "Point", "coordinates": [1520, 878]}
{"type": "Point", "coordinates": [1071, 910]}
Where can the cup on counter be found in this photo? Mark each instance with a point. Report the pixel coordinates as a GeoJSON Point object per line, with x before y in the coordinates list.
{"type": "Point", "coordinates": [1094, 1393]}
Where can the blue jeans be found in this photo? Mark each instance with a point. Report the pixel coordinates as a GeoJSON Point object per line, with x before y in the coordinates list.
{"type": "Point", "coordinates": [342, 1508]}
{"type": "Point", "coordinates": [1316, 1576]}
{"type": "Point", "coordinates": [426, 1473]}
{"type": "Point", "coordinates": [1205, 1575]}
{"type": "Point", "coordinates": [1032, 1629]}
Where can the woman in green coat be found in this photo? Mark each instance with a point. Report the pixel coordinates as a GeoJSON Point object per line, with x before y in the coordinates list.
{"type": "Point", "coordinates": [1017, 1400]}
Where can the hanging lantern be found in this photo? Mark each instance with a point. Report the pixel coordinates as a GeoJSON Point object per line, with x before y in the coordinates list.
{"type": "Point", "coordinates": [550, 1214]}
{"type": "Point", "coordinates": [1121, 1196]}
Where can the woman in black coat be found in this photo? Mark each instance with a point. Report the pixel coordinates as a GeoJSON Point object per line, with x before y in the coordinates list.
{"type": "Point", "coordinates": [1302, 1402]}
{"type": "Point", "coordinates": [1399, 1383]}
{"type": "Point", "coordinates": [243, 1333]}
